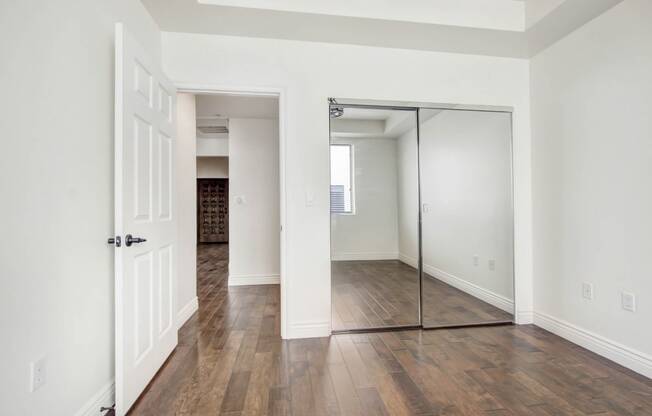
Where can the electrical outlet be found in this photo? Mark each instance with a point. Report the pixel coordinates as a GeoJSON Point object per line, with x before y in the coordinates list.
{"type": "Point", "coordinates": [587, 291]}
{"type": "Point", "coordinates": [37, 374]}
{"type": "Point", "coordinates": [492, 264]}
{"type": "Point", "coordinates": [476, 260]}
{"type": "Point", "coordinates": [628, 301]}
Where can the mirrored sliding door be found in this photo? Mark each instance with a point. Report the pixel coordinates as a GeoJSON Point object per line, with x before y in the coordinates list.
{"type": "Point", "coordinates": [466, 217]}
{"type": "Point", "coordinates": [374, 218]}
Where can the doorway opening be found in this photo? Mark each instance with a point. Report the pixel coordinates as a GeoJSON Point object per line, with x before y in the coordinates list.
{"type": "Point", "coordinates": [239, 197]}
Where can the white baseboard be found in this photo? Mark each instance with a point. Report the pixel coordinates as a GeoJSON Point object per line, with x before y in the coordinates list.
{"type": "Point", "coordinates": [363, 256]}
{"type": "Point", "coordinates": [481, 293]}
{"type": "Point", "coordinates": [621, 354]}
{"type": "Point", "coordinates": [309, 330]}
{"type": "Point", "coordinates": [254, 279]}
{"type": "Point", "coordinates": [524, 317]}
{"type": "Point", "coordinates": [104, 397]}
{"type": "Point", "coordinates": [409, 260]}
{"type": "Point", "coordinates": [187, 311]}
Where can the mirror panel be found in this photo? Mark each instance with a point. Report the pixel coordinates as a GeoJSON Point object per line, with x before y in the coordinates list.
{"type": "Point", "coordinates": [466, 217]}
{"type": "Point", "coordinates": [374, 218]}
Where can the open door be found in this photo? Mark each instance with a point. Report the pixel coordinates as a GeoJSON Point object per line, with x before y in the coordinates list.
{"type": "Point", "coordinates": [145, 219]}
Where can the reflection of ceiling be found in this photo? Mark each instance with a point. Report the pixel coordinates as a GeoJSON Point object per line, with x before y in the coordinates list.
{"type": "Point", "coordinates": [372, 123]}
{"type": "Point", "coordinates": [508, 28]}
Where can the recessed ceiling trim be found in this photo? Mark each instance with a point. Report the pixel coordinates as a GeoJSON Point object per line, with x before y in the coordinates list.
{"type": "Point", "coordinates": [189, 16]}
{"type": "Point", "coordinates": [493, 14]}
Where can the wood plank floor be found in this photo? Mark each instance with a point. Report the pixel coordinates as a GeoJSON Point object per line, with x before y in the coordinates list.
{"type": "Point", "coordinates": [369, 294]}
{"type": "Point", "coordinates": [231, 361]}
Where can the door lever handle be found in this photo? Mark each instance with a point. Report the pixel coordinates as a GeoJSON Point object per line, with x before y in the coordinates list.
{"type": "Point", "coordinates": [129, 240]}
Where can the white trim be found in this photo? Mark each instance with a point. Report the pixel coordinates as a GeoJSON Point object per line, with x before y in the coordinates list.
{"type": "Point", "coordinates": [619, 353]}
{"type": "Point", "coordinates": [187, 311]}
{"type": "Point", "coordinates": [104, 397]}
{"type": "Point", "coordinates": [254, 279]}
{"type": "Point", "coordinates": [492, 298]}
{"type": "Point", "coordinates": [344, 256]}
{"type": "Point", "coordinates": [409, 260]}
{"type": "Point", "coordinates": [524, 317]}
{"type": "Point", "coordinates": [279, 92]}
{"type": "Point", "coordinates": [319, 329]}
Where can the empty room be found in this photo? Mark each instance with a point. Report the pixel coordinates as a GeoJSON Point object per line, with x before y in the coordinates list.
{"type": "Point", "coordinates": [361, 207]}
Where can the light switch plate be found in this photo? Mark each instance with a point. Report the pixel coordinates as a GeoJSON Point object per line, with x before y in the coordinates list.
{"type": "Point", "coordinates": [492, 264]}
{"type": "Point", "coordinates": [628, 301]}
{"type": "Point", "coordinates": [310, 199]}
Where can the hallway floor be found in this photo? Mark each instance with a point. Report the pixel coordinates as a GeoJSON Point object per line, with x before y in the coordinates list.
{"type": "Point", "coordinates": [231, 361]}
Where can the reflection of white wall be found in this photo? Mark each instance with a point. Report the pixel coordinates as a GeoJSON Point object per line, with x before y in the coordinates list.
{"type": "Point", "coordinates": [408, 198]}
{"type": "Point", "coordinates": [465, 162]}
{"type": "Point", "coordinates": [254, 222]}
{"type": "Point", "coordinates": [212, 167]}
{"type": "Point", "coordinates": [372, 232]}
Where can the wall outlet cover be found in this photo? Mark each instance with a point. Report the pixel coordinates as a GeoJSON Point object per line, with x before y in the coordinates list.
{"type": "Point", "coordinates": [492, 264]}
{"type": "Point", "coordinates": [37, 374]}
{"type": "Point", "coordinates": [587, 291]}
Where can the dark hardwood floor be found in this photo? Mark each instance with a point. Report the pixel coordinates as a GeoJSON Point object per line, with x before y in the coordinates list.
{"type": "Point", "coordinates": [231, 361]}
{"type": "Point", "coordinates": [369, 294]}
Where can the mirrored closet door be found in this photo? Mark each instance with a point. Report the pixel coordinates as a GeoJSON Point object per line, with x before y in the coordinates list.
{"type": "Point", "coordinates": [374, 217]}
{"type": "Point", "coordinates": [466, 217]}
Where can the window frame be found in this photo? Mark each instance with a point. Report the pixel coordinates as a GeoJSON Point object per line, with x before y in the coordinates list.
{"type": "Point", "coordinates": [351, 176]}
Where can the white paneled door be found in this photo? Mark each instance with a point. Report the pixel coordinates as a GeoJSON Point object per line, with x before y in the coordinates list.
{"type": "Point", "coordinates": [145, 219]}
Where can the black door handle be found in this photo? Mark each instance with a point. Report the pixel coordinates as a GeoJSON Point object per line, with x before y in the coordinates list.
{"type": "Point", "coordinates": [129, 240]}
{"type": "Point", "coordinates": [115, 241]}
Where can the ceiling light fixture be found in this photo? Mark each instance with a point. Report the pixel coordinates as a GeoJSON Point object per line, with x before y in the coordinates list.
{"type": "Point", "coordinates": [335, 110]}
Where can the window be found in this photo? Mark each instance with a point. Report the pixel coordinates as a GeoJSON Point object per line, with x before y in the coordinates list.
{"type": "Point", "coordinates": [341, 178]}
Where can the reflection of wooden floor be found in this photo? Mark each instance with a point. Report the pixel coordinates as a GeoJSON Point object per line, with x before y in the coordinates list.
{"type": "Point", "coordinates": [374, 293]}
{"type": "Point", "coordinates": [385, 293]}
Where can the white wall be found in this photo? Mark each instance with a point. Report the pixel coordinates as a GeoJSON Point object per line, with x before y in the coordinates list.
{"type": "Point", "coordinates": [465, 164]}
{"type": "Point", "coordinates": [186, 166]}
{"type": "Point", "coordinates": [371, 232]}
{"type": "Point", "coordinates": [592, 159]}
{"type": "Point", "coordinates": [303, 70]}
{"type": "Point", "coordinates": [213, 147]}
{"type": "Point", "coordinates": [212, 167]}
{"type": "Point", "coordinates": [254, 204]}
{"type": "Point", "coordinates": [56, 182]}
{"type": "Point", "coordinates": [237, 106]}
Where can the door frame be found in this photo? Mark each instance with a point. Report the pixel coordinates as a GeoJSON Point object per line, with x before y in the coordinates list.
{"type": "Point", "coordinates": [280, 93]}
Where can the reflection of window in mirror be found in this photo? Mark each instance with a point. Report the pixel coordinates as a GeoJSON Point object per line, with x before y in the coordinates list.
{"type": "Point", "coordinates": [342, 179]}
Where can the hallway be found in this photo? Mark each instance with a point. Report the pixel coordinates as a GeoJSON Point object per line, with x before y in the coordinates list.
{"type": "Point", "coordinates": [231, 361]}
